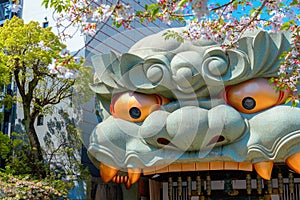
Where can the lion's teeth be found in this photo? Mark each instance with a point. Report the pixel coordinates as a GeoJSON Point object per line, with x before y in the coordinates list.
{"type": "Point", "coordinates": [125, 179]}
{"type": "Point", "coordinates": [127, 184]}
{"type": "Point", "coordinates": [133, 174]}
{"type": "Point", "coordinates": [264, 169]}
{"type": "Point", "coordinates": [114, 179]}
{"type": "Point", "coordinates": [293, 162]}
{"type": "Point", "coordinates": [107, 172]}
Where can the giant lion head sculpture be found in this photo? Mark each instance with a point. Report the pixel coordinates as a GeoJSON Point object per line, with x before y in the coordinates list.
{"type": "Point", "coordinates": [169, 106]}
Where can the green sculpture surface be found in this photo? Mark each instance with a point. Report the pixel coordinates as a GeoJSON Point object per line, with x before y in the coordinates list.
{"type": "Point", "coordinates": [167, 102]}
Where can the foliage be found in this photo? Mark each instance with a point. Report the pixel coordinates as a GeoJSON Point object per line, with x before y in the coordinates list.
{"type": "Point", "coordinates": [43, 71]}
{"type": "Point", "coordinates": [7, 101]}
{"type": "Point", "coordinates": [221, 21]}
{"type": "Point", "coordinates": [4, 73]}
{"type": "Point", "coordinates": [23, 187]}
{"type": "Point", "coordinates": [5, 145]}
{"type": "Point", "coordinates": [63, 146]}
{"type": "Point", "coordinates": [16, 153]}
{"type": "Point", "coordinates": [15, 181]}
{"type": "Point", "coordinates": [45, 75]}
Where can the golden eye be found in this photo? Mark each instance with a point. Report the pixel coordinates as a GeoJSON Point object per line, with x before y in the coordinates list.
{"type": "Point", "coordinates": [254, 95]}
{"type": "Point", "coordinates": [135, 107]}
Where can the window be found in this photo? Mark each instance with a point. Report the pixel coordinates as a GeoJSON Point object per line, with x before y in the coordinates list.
{"type": "Point", "coordinates": [40, 120]}
{"type": "Point", "coordinates": [45, 24]}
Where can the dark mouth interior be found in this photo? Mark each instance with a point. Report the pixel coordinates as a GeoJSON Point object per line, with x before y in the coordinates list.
{"type": "Point", "coordinates": [163, 141]}
{"type": "Point", "coordinates": [216, 139]}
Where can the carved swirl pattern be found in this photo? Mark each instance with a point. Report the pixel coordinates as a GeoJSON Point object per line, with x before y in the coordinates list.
{"type": "Point", "coordinates": [222, 67]}
{"type": "Point", "coordinates": [153, 72]}
{"type": "Point", "coordinates": [190, 70]}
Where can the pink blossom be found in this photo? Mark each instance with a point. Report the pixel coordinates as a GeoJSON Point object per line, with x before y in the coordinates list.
{"type": "Point", "coordinates": [200, 8]}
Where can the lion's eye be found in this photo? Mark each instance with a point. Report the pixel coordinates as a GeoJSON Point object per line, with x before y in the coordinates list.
{"type": "Point", "coordinates": [135, 107]}
{"type": "Point", "coordinates": [253, 95]}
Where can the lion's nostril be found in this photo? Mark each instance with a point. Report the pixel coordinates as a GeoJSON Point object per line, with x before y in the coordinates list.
{"type": "Point", "coordinates": [216, 139]}
{"type": "Point", "coordinates": [221, 138]}
{"type": "Point", "coordinates": [163, 141]}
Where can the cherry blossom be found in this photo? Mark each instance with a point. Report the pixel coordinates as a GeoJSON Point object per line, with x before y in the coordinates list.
{"type": "Point", "coordinates": [59, 67]}
{"type": "Point", "coordinates": [223, 23]}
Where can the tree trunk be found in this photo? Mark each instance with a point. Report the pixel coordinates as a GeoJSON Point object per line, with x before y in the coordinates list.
{"type": "Point", "coordinates": [36, 149]}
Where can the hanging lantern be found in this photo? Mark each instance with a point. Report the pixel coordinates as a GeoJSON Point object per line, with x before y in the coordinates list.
{"type": "Point", "coordinates": [269, 184]}
{"type": "Point", "coordinates": [259, 188]}
{"type": "Point", "coordinates": [189, 187]}
{"type": "Point", "coordinates": [208, 185]}
{"type": "Point", "coordinates": [179, 185]}
{"type": "Point", "coordinates": [280, 183]}
{"type": "Point", "coordinates": [170, 188]}
{"type": "Point", "coordinates": [248, 184]}
{"type": "Point", "coordinates": [291, 183]}
{"type": "Point", "coordinates": [228, 184]}
{"type": "Point", "coordinates": [198, 185]}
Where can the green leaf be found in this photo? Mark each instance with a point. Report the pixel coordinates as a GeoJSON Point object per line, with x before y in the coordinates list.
{"type": "Point", "coordinates": [285, 26]}
{"type": "Point", "coordinates": [181, 3]}
{"type": "Point", "coordinates": [295, 3]}
{"type": "Point", "coordinates": [294, 104]}
{"type": "Point", "coordinates": [171, 34]}
{"type": "Point", "coordinates": [137, 13]}
{"type": "Point", "coordinates": [45, 3]}
{"type": "Point", "coordinates": [154, 12]}
{"type": "Point", "coordinates": [118, 25]}
{"type": "Point", "coordinates": [153, 6]}
{"type": "Point", "coordinates": [288, 100]}
{"type": "Point", "coordinates": [59, 8]}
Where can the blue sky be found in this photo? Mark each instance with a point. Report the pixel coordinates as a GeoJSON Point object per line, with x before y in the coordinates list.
{"type": "Point", "coordinates": [255, 3]}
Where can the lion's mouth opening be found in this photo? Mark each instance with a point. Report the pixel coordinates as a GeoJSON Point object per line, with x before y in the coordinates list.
{"type": "Point", "coordinates": [263, 169]}
{"type": "Point", "coordinates": [109, 173]}
{"type": "Point", "coordinates": [132, 175]}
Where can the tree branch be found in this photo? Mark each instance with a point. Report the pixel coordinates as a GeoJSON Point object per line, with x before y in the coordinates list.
{"type": "Point", "coordinates": [224, 5]}
{"type": "Point", "coordinates": [259, 10]}
{"type": "Point", "coordinates": [53, 152]}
